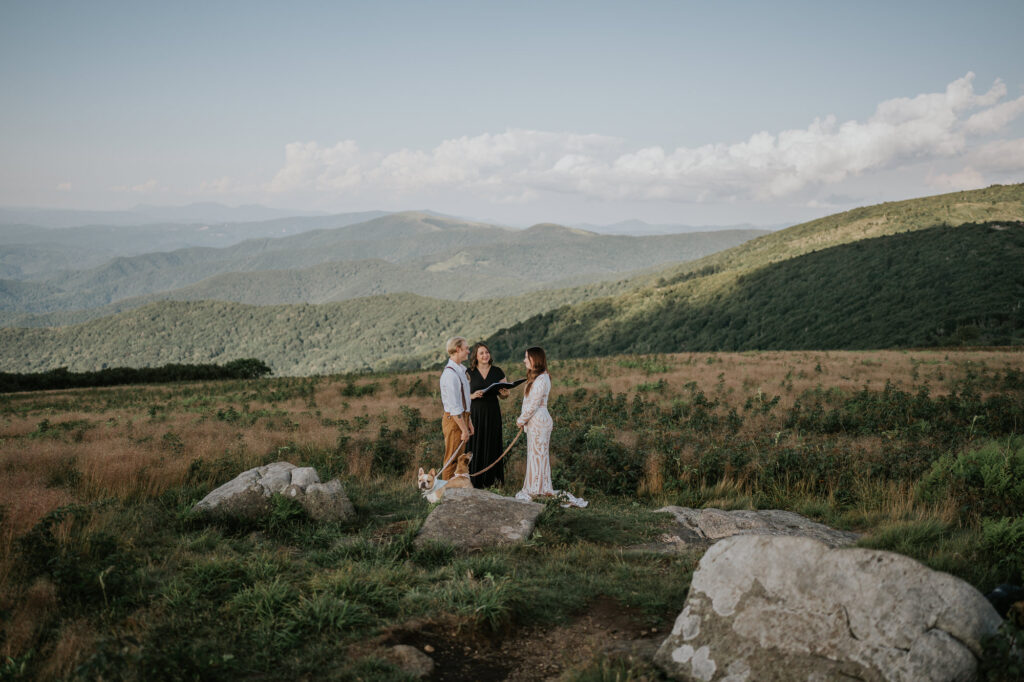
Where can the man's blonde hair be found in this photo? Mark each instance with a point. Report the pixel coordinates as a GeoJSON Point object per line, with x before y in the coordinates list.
{"type": "Point", "coordinates": [455, 343]}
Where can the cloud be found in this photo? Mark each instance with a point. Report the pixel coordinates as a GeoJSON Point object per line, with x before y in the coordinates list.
{"type": "Point", "coordinates": [520, 165]}
{"type": "Point", "coordinates": [144, 188]}
{"type": "Point", "coordinates": [995, 119]}
{"type": "Point", "coordinates": [64, 187]}
{"type": "Point", "coordinates": [223, 185]}
{"type": "Point", "coordinates": [1000, 156]}
{"type": "Point", "coordinates": [968, 178]}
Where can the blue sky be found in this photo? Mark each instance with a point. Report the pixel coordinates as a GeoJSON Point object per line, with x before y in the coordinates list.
{"type": "Point", "coordinates": [687, 112]}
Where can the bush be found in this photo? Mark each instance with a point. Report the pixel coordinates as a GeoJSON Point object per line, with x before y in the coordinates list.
{"type": "Point", "coordinates": [597, 460]}
{"type": "Point", "coordinates": [987, 481]}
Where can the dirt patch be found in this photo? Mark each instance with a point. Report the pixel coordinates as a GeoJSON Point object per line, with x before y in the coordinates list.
{"type": "Point", "coordinates": [528, 653]}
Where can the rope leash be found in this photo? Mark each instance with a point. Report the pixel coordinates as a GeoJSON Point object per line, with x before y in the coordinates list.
{"type": "Point", "coordinates": [454, 455]}
{"type": "Point", "coordinates": [502, 454]}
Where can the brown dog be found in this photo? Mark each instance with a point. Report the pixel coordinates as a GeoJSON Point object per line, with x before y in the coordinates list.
{"type": "Point", "coordinates": [433, 488]}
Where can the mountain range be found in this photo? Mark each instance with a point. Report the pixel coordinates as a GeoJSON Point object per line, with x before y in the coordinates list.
{"type": "Point", "coordinates": [931, 271]}
{"type": "Point", "coordinates": [411, 252]}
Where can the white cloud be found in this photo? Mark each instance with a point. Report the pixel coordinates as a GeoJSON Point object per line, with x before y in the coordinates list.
{"type": "Point", "coordinates": [968, 178]}
{"type": "Point", "coordinates": [1000, 156]}
{"type": "Point", "coordinates": [143, 188]}
{"type": "Point", "coordinates": [995, 119]}
{"type": "Point", "coordinates": [520, 165]}
{"type": "Point", "coordinates": [222, 185]}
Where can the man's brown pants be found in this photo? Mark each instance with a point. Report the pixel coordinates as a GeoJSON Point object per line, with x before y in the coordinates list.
{"type": "Point", "coordinates": [452, 441]}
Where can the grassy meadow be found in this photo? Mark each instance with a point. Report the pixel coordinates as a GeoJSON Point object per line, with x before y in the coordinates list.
{"type": "Point", "coordinates": [106, 573]}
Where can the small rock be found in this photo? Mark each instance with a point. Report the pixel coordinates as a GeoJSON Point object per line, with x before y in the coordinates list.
{"type": "Point", "coordinates": [412, 661]}
{"type": "Point", "coordinates": [473, 519]}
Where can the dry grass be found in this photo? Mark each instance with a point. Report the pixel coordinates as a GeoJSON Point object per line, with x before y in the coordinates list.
{"type": "Point", "coordinates": [75, 639]}
{"type": "Point", "coordinates": [136, 443]}
{"type": "Point", "coordinates": [29, 617]}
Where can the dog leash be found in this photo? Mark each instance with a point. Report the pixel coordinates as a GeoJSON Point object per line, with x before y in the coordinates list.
{"type": "Point", "coordinates": [454, 454]}
{"type": "Point", "coordinates": [502, 454]}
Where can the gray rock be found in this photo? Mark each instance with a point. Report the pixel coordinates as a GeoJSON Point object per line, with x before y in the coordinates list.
{"type": "Point", "coordinates": [328, 502]}
{"type": "Point", "coordinates": [703, 527]}
{"type": "Point", "coordinates": [248, 494]}
{"type": "Point", "coordinates": [304, 477]}
{"type": "Point", "coordinates": [412, 661]}
{"type": "Point", "coordinates": [275, 477]}
{"type": "Point", "coordinates": [766, 607]}
{"type": "Point", "coordinates": [474, 519]}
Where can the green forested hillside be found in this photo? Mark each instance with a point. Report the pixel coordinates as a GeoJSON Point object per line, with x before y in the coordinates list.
{"type": "Point", "coordinates": [364, 333]}
{"type": "Point", "coordinates": [943, 285]}
{"type": "Point", "coordinates": [995, 203]}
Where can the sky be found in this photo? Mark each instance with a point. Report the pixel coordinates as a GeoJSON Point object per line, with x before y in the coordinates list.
{"type": "Point", "coordinates": [688, 112]}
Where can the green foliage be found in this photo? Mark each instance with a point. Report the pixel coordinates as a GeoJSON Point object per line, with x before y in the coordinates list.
{"type": "Point", "coordinates": [987, 480]}
{"type": "Point", "coordinates": [1002, 659]}
{"type": "Point", "coordinates": [594, 460]}
{"type": "Point", "coordinates": [901, 290]}
{"type": "Point", "coordinates": [90, 567]}
{"type": "Point", "coordinates": [1003, 542]}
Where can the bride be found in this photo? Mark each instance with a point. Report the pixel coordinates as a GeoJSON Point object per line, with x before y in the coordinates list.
{"type": "Point", "coordinates": [537, 423]}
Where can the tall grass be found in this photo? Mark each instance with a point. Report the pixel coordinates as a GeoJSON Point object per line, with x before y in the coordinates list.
{"type": "Point", "coordinates": [104, 571]}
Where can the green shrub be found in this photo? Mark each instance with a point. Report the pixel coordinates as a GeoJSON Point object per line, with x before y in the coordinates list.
{"type": "Point", "coordinates": [987, 481]}
{"type": "Point", "coordinates": [596, 460]}
{"type": "Point", "coordinates": [1003, 543]}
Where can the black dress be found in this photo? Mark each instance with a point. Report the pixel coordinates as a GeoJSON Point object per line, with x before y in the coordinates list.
{"type": "Point", "coordinates": [486, 443]}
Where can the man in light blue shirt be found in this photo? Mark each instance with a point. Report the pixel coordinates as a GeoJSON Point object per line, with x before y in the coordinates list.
{"type": "Point", "coordinates": [456, 426]}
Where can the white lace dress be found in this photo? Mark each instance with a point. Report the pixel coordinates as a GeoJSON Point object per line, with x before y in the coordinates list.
{"type": "Point", "coordinates": [537, 423]}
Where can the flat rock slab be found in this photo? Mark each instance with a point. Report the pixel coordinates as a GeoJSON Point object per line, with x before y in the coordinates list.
{"type": "Point", "coordinates": [248, 494]}
{"type": "Point", "coordinates": [474, 519]}
{"type": "Point", "coordinates": [700, 528]}
{"type": "Point", "coordinates": [764, 607]}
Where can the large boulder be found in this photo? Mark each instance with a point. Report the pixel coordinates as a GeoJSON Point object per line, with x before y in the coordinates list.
{"type": "Point", "coordinates": [248, 494]}
{"type": "Point", "coordinates": [789, 608]}
{"type": "Point", "coordinates": [473, 519]}
{"type": "Point", "coordinates": [700, 528]}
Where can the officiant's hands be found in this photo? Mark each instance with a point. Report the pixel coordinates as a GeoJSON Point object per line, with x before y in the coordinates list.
{"type": "Point", "coordinates": [476, 394]}
{"type": "Point", "coordinates": [504, 393]}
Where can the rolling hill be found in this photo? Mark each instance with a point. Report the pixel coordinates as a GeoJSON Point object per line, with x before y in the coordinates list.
{"type": "Point", "coordinates": [937, 270]}
{"type": "Point", "coordinates": [689, 298]}
{"type": "Point", "coordinates": [938, 286]}
{"type": "Point", "coordinates": [29, 251]}
{"type": "Point", "coordinates": [411, 252]}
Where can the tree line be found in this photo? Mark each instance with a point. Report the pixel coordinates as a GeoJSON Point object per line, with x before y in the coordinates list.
{"type": "Point", "coordinates": [61, 378]}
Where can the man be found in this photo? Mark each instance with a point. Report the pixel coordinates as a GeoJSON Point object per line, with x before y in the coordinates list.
{"type": "Point", "coordinates": [456, 426]}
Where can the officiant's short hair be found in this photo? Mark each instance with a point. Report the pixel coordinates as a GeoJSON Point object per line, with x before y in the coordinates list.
{"type": "Point", "coordinates": [455, 343]}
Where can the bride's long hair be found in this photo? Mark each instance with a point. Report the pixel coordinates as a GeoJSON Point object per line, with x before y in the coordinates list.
{"type": "Point", "coordinates": [540, 365]}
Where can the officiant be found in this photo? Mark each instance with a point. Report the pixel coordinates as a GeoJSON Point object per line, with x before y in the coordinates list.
{"type": "Point", "coordinates": [487, 440]}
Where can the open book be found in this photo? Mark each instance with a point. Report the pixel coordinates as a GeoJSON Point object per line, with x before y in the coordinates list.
{"type": "Point", "coordinates": [498, 385]}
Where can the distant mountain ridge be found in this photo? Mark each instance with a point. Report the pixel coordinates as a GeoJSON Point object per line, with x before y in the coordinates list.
{"type": "Point", "coordinates": [640, 228]}
{"type": "Point", "coordinates": [935, 270]}
{"type": "Point", "coordinates": [481, 261]}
